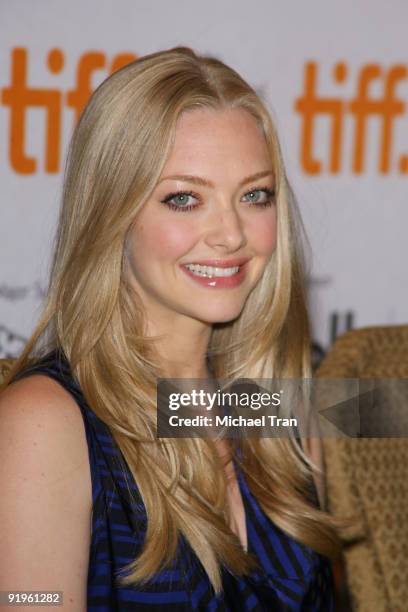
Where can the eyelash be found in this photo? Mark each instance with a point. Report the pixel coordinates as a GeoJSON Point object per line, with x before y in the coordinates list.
{"type": "Point", "coordinates": [167, 200]}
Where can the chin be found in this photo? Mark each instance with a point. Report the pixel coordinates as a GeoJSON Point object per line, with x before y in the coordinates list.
{"type": "Point", "coordinates": [220, 315]}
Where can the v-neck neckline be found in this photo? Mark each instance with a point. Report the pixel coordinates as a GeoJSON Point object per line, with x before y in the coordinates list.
{"type": "Point", "coordinates": [244, 496]}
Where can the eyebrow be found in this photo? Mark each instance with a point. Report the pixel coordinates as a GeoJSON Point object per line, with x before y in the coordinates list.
{"type": "Point", "coordinates": [197, 180]}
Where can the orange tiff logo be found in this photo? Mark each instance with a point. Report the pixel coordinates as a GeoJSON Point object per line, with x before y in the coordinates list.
{"type": "Point", "coordinates": [19, 97]}
{"type": "Point", "coordinates": [361, 108]}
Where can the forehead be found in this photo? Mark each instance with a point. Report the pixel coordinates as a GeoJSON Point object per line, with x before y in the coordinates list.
{"type": "Point", "coordinates": [210, 140]}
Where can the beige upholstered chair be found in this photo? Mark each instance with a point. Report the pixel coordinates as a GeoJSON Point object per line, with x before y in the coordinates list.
{"type": "Point", "coordinates": [369, 476]}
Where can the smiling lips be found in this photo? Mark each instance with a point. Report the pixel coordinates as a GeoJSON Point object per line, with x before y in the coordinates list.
{"type": "Point", "coordinates": [217, 273]}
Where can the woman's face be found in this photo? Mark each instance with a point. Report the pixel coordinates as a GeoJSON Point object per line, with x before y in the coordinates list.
{"type": "Point", "coordinates": [201, 242]}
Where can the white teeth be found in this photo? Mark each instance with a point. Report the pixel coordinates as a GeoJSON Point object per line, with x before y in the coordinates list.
{"type": "Point", "coordinates": [210, 271]}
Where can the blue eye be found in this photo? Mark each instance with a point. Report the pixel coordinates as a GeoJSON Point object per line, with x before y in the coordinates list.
{"type": "Point", "coordinates": [255, 196]}
{"type": "Point", "coordinates": [179, 201]}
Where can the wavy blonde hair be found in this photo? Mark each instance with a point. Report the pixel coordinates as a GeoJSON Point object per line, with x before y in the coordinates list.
{"type": "Point", "coordinates": [116, 156]}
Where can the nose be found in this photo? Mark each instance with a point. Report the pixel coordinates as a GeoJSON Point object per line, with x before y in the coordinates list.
{"type": "Point", "coordinates": [226, 229]}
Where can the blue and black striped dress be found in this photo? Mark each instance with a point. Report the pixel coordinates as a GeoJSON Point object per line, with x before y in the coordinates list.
{"type": "Point", "coordinates": [293, 577]}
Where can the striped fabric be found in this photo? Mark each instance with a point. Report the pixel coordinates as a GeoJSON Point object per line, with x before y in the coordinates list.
{"type": "Point", "coordinates": [293, 577]}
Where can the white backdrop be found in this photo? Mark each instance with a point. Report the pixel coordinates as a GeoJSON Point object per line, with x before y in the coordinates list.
{"type": "Point", "coordinates": [350, 178]}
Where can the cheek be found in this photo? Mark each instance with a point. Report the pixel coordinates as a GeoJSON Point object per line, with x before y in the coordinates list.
{"type": "Point", "coordinates": [264, 234]}
{"type": "Point", "coordinates": [164, 239]}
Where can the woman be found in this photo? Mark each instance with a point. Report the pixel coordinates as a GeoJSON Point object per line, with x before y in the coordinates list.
{"type": "Point", "coordinates": [176, 256]}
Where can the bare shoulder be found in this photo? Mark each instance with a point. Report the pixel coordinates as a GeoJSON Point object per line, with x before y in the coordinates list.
{"type": "Point", "coordinates": [35, 395]}
{"type": "Point", "coordinates": [39, 419]}
{"type": "Point", "coordinates": [46, 490]}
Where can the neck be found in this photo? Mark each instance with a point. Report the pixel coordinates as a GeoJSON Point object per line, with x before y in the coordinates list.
{"type": "Point", "coordinates": [182, 351]}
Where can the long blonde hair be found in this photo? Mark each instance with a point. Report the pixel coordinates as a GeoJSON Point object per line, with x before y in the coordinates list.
{"type": "Point", "coordinates": [116, 157]}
